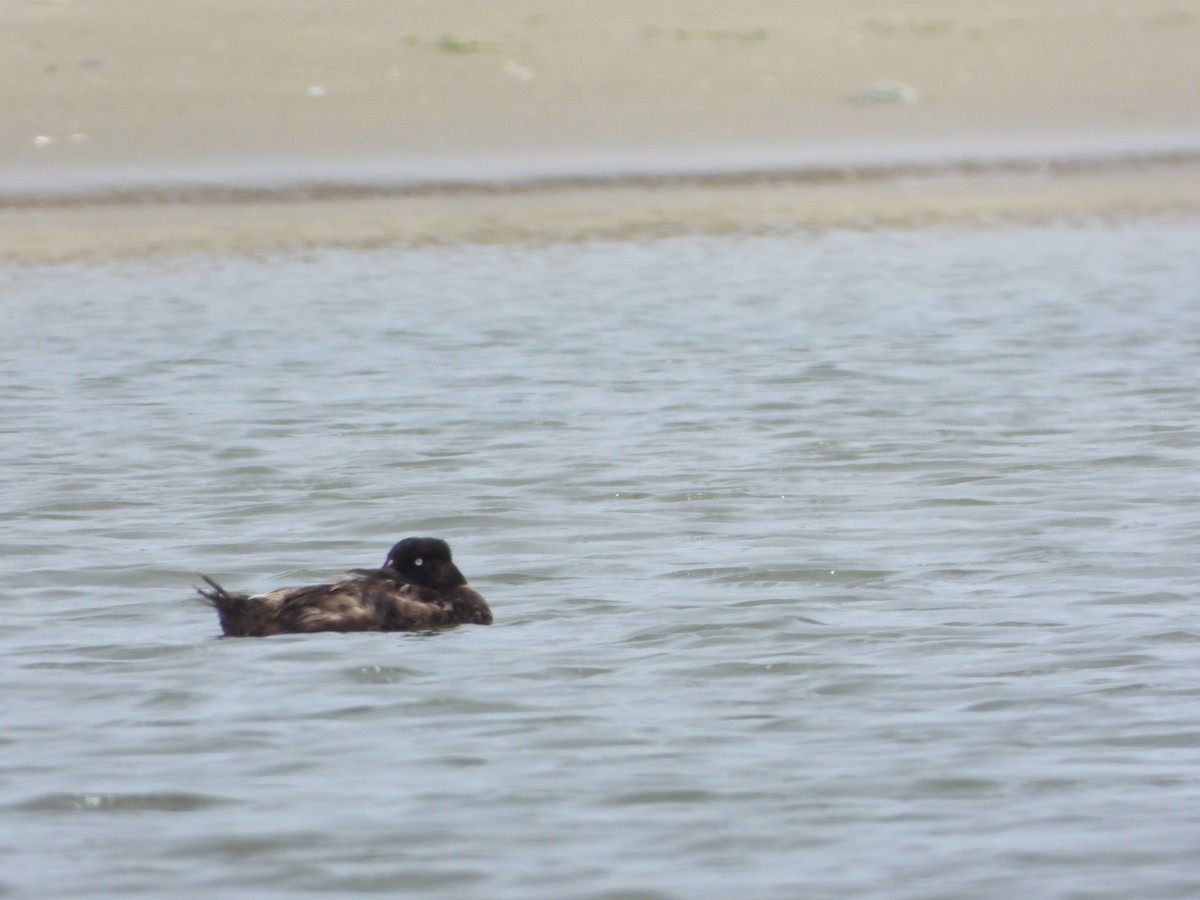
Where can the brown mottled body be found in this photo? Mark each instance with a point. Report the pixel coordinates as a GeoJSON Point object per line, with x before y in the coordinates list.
{"type": "Point", "coordinates": [418, 588]}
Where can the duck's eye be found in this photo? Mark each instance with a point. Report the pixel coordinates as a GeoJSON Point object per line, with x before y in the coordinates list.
{"type": "Point", "coordinates": [418, 561]}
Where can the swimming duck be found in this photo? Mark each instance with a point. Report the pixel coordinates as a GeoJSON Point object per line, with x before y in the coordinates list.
{"type": "Point", "coordinates": [418, 587]}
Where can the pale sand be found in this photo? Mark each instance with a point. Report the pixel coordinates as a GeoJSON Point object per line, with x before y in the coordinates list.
{"type": "Point", "coordinates": [137, 96]}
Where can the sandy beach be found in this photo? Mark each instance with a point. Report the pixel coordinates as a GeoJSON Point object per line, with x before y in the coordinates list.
{"type": "Point", "coordinates": [134, 127]}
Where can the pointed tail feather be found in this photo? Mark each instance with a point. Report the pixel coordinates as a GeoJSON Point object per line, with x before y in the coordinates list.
{"type": "Point", "coordinates": [233, 609]}
{"type": "Point", "coordinates": [216, 595]}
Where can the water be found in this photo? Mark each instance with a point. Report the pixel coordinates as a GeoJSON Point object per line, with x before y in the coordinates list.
{"type": "Point", "coordinates": [839, 564]}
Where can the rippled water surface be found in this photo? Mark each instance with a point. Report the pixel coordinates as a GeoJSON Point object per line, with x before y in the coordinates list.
{"type": "Point", "coordinates": [844, 564]}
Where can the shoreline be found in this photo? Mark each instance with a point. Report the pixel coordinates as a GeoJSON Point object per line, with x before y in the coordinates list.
{"type": "Point", "coordinates": [309, 183]}
{"type": "Point", "coordinates": [597, 211]}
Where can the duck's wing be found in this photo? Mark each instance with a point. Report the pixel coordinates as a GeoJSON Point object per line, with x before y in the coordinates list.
{"type": "Point", "coordinates": [341, 606]}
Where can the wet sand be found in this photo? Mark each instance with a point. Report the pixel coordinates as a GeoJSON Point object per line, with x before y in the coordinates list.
{"type": "Point", "coordinates": [135, 127]}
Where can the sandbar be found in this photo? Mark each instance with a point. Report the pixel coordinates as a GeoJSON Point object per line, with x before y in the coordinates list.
{"type": "Point", "coordinates": [136, 127]}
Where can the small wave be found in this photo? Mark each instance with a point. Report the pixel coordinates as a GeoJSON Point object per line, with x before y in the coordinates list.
{"type": "Point", "coordinates": [98, 802]}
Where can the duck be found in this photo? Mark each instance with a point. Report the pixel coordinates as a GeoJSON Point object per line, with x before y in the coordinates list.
{"type": "Point", "coordinates": [418, 588]}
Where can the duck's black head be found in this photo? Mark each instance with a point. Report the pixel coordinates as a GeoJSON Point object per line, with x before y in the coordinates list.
{"type": "Point", "coordinates": [425, 561]}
